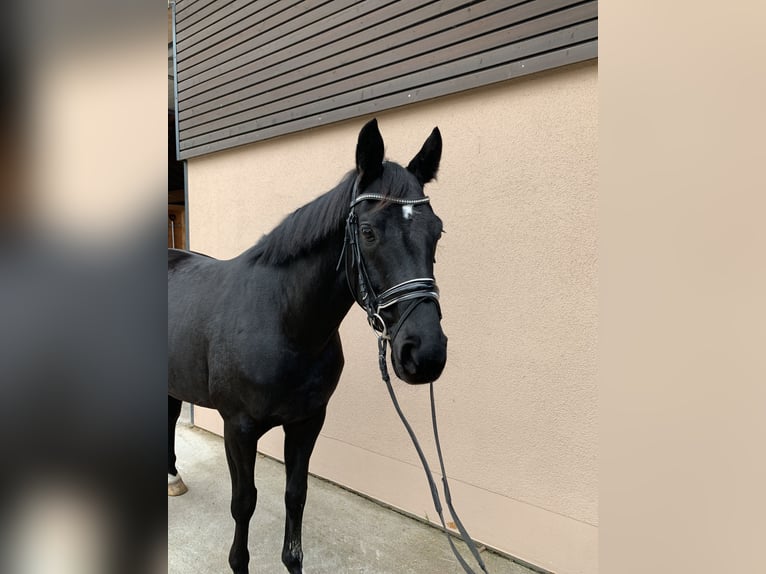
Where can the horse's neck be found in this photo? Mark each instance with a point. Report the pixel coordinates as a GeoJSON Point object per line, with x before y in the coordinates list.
{"type": "Point", "coordinates": [316, 295]}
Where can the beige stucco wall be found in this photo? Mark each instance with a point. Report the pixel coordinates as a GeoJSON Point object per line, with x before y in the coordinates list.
{"type": "Point", "coordinates": [517, 272]}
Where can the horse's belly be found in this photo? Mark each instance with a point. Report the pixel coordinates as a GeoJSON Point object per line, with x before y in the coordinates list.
{"type": "Point", "coordinates": [187, 383]}
{"type": "Point", "coordinates": [187, 353]}
{"type": "Point", "coordinates": [187, 366]}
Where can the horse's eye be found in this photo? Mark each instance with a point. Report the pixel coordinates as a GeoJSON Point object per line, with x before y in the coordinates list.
{"type": "Point", "coordinates": [367, 233]}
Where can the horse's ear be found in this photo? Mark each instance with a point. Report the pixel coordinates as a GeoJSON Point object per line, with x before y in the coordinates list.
{"type": "Point", "coordinates": [369, 152]}
{"type": "Point", "coordinates": [425, 165]}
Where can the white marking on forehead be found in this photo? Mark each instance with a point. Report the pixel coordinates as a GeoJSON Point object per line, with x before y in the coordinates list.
{"type": "Point", "coordinates": [407, 211]}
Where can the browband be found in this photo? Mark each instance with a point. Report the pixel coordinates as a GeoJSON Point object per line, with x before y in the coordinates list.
{"type": "Point", "coordinates": [378, 197]}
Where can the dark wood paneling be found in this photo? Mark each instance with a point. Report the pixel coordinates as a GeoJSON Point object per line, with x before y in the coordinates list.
{"type": "Point", "coordinates": [191, 11]}
{"type": "Point", "coordinates": [289, 89]}
{"type": "Point", "coordinates": [272, 47]}
{"type": "Point", "coordinates": [205, 21]}
{"type": "Point", "coordinates": [248, 23]}
{"type": "Point", "coordinates": [579, 53]}
{"type": "Point", "coordinates": [278, 113]}
{"type": "Point", "coordinates": [343, 44]}
{"type": "Point", "coordinates": [279, 70]}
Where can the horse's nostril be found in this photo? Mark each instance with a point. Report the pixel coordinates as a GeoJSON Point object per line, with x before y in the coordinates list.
{"type": "Point", "coordinates": [407, 355]}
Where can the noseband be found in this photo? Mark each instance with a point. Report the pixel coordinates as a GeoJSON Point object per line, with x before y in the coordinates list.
{"type": "Point", "coordinates": [415, 290]}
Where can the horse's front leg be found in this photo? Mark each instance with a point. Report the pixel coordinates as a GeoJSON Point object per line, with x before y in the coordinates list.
{"type": "Point", "coordinates": [299, 444]}
{"type": "Point", "coordinates": [241, 440]}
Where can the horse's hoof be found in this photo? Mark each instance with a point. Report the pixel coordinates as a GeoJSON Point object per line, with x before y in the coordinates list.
{"type": "Point", "coordinates": [176, 486]}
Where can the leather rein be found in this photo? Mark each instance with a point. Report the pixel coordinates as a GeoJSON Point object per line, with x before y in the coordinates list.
{"type": "Point", "coordinates": [416, 291]}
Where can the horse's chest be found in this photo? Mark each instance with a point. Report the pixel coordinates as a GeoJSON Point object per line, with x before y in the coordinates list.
{"type": "Point", "coordinates": [280, 385]}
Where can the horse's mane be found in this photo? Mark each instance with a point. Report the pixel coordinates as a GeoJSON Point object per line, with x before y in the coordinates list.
{"type": "Point", "coordinates": [323, 217]}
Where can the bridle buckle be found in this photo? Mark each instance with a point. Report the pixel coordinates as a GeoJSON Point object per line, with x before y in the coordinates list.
{"type": "Point", "coordinates": [378, 325]}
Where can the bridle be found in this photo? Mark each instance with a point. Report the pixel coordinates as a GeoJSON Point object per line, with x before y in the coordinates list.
{"type": "Point", "coordinates": [416, 291]}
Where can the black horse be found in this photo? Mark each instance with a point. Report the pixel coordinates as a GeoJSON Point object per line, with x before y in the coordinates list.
{"type": "Point", "coordinates": [256, 337]}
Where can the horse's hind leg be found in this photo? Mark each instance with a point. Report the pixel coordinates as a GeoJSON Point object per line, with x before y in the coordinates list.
{"type": "Point", "coordinates": [241, 441]}
{"type": "Point", "coordinates": [299, 444]}
{"type": "Point", "coordinates": [176, 486]}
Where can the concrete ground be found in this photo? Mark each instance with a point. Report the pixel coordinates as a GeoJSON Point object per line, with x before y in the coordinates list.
{"type": "Point", "coordinates": [342, 532]}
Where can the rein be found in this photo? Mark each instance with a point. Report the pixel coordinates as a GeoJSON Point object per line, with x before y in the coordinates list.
{"type": "Point", "coordinates": [417, 291]}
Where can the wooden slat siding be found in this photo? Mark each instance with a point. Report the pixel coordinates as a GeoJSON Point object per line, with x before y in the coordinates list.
{"type": "Point", "coordinates": [574, 54]}
{"type": "Point", "coordinates": [190, 6]}
{"type": "Point", "coordinates": [231, 25]}
{"type": "Point", "coordinates": [274, 42]}
{"type": "Point", "coordinates": [211, 39]}
{"type": "Point", "coordinates": [297, 82]}
{"type": "Point", "coordinates": [405, 83]}
{"type": "Point", "coordinates": [478, 35]}
{"type": "Point", "coordinates": [205, 20]}
{"type": "Point", "coordinates": [177, 135]}
{"type": "Point", "coordinates": [258, 54]}
{"type": "Point", "coordinates": [354, 40]}
{"type": "Point", "coordinates": [249, 21]}
{"type": "Point", "coordinates": [244, 26]}
{"type": "Point", "coordinates": [190, 11]}
{"type": "Point", "coordinates": [392, 17]}
{"type": "Point", "coordinates": [184, 7]}
{"type": "Point", "coordinates": [330, 69]}
{"type": "Point", "coordinates": [329, 51]}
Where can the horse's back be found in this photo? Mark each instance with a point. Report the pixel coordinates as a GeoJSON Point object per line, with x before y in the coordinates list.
{"type": "Point", "coordinates": [188, 275]}
{"type": "Point", "coordinates": [177, 257]}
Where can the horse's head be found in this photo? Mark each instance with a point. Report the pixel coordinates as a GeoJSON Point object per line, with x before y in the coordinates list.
{"type": "Point", "coordinates": [396, 233]}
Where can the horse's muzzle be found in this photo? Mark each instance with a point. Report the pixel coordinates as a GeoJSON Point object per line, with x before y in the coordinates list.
{"type": "Point", "coordinates": [417, 361]}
